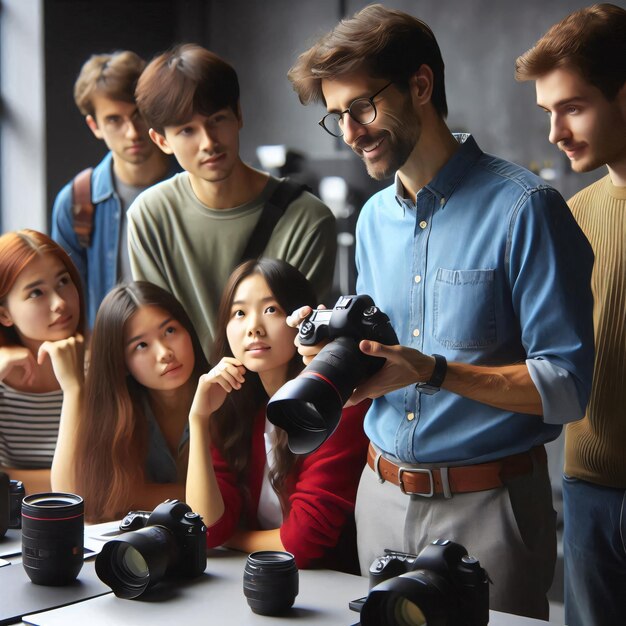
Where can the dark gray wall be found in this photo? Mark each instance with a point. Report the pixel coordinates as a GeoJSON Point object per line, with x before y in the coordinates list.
{"type": "Point", "coordinates": [479, 39]}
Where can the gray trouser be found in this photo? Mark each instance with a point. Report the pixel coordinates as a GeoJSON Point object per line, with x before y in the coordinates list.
{"type": "Point", "coordinates": [511, 530]}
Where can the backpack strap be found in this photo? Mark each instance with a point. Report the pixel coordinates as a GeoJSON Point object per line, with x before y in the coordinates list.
{"type": "Point", "coordinates": [275, 206]}
{"type": "Point", "coordinates": [82, 207]}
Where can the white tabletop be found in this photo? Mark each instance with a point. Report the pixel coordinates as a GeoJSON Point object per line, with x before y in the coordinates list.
{"type": "Point", "coordinates": [217, 598]}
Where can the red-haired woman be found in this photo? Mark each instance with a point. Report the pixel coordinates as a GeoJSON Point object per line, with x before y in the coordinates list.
{"type": "Point", "coordinates": [41, 356]}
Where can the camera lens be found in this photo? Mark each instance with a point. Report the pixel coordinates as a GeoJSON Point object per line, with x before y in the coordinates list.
{"type": "Point", "coordinates": [406, 613]}
{"type": "Point", "coordinates": [52, 537]}
{"type": "Point", "coordinates": [137, 560]}
{"type": "Point", "coordinates": [412, 599]}
{"type": "Point", "coordinates": [270, 581]}
{"type": "Point", "coordinates": [309, 406]}
{"type": "Point", "coordinates": [130, 563]}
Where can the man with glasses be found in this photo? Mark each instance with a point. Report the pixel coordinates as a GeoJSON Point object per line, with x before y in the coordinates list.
{"type": "Point", "coordinates": [483, 272]}
{"type": "Point", "coordinates": [104, 93]}
{"type": "Point", "coordinates": [188, 233]}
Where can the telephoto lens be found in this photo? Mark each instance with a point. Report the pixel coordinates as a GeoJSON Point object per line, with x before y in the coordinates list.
{"type": "Point", "coordinates": [52, 537]}
{"type": "Point", "coordinates": [308, 408]}
{"type": "Point", "coordinates": [270, 581]}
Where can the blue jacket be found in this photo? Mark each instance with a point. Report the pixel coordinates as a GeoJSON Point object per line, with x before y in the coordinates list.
{"type": "Point", "coordinates": [96, 264]}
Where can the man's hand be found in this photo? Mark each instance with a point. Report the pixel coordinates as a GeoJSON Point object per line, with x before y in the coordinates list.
{"type": "Point", "coordinates": [404, 366]}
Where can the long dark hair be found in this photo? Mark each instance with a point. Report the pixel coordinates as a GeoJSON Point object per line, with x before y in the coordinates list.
{"type": "Point", "coordinates": [232, 425]}
{"type": "Point", "coordinates": [112, 435]}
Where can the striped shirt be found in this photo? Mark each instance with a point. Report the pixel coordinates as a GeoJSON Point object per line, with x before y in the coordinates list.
{"type": "Point", "coordinates": [29, 425]}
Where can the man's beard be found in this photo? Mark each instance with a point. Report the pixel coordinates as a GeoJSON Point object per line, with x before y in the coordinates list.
{"type": "Point", "coordinates": [401, 138]}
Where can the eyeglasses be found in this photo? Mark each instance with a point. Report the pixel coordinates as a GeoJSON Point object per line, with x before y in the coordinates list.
{"type": "Point", "coordinates": [361, 110]}
{"type": "Point", "coordinates": [118, 124]}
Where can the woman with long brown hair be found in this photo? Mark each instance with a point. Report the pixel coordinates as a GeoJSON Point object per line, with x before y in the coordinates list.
{"type": "Point", "coordinates": [127, 449]}
{"type": "Point", "coordinates": [251, 490]}
{"type": "Point", "coordinates": [41, 357]}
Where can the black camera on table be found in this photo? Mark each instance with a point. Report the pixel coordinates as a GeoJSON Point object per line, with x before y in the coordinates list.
{"type": "Point", "coordinates": [169, 540]}
{"type": "Point", "coordinates": [12, 493]}
{"type": "Point", "coordinates": [309, 406]}
{"type": "Point", "coordinates": [442, 586]}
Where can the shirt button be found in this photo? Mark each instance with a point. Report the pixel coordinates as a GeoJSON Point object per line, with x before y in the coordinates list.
{"type": "Point", "coordinates": [410, 416]}
{"type": "Point", "coordinates": [442, 201]}
{"type": "Point", "coordinates": [423, 224]}
{"type": "Point", "coordinates": [416, 332]}
{"type": "Point", "coordinates": [418, 278]}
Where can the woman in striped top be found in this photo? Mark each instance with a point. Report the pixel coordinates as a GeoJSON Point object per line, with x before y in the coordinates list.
{"type": "Point", "coordinates": [41, 312]}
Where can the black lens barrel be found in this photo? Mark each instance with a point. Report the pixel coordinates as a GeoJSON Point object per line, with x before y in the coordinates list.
{"type": "Point", "coordinates": [155, 544]}
{"type": "Point", "coordinates": [52, 537]}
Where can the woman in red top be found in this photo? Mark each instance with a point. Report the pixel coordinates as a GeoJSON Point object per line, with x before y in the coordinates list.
{"type": "Point", "coordinates": [251, 490]}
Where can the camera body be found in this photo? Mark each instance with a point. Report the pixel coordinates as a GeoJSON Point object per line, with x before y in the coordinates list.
{"type": "Point", "coordinates": [134, 520]}
{"type": "Point", "coordinates": [16, 495]}
{"type": "Point", "coordinates": [186, 527]}
{"type": "Point", "coordinates": [442, 581]}
{"type": "Point", "coordinates": [11, 494]}
{"type": "Point", "coordinates": [171, 540]}
{"type": "Point", "coordinates": [309, 406]}
{"type": "Point", "coordinates": [352, 316]}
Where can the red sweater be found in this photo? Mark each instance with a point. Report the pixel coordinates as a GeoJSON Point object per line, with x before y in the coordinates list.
{"type": "Point", "coordinates": [321, 496]}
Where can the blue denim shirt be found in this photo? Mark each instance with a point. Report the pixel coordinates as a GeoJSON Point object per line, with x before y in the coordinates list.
{"type": "Point", "coordinates": [96, 264]}
{"type": "Point", "coordinates": [487, 267]}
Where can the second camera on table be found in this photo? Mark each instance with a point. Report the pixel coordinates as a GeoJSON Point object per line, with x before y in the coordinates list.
{"type": "Point", "coordinates": [171, 540]}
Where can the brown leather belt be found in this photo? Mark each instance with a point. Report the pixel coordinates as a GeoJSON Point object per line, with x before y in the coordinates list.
{"type": "Point", "coordinates": [428, 481]}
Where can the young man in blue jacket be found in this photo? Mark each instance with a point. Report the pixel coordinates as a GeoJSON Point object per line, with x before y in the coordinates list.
{"type": "Point", "coordinates": [104, 93]}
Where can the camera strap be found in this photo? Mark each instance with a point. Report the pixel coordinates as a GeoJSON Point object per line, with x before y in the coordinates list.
{"type": "Point", "coordinates": [275, 206]}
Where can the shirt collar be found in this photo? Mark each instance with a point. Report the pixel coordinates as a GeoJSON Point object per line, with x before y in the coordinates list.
{"type": "Point", "coordinates": [450, 175]}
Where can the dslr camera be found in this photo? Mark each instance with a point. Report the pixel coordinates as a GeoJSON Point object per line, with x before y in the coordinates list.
{"type": "Point", "coordinates": [309, 407]}
{"type": "Point", "coordinates": [11, 494]}
{"type": "Point", "coordinates": [169, 540]}
{"type": "Point", "coordinates": [442, 586]}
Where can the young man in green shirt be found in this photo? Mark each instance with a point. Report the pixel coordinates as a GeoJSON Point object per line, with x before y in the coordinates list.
{"type": "Point", "coordinates": [188, 234]}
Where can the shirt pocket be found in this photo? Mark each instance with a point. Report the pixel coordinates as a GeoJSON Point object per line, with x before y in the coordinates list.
{"type": "Point", "coordinates": [464, 308]}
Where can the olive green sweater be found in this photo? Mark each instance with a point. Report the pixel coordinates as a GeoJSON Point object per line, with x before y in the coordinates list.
{"type": "Point", "coordinates": [595, 447]}
{"type": "Point", "coordinates": [190, 249]}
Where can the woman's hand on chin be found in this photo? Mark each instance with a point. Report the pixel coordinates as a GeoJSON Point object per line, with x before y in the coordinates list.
{"type": "Point", "coordinates": [68, 360]}
{"type": "Point", "coordinates": [213, 387]}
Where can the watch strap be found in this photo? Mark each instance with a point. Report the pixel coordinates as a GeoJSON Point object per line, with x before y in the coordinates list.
{"type": "Point", "coordinates": [433, 384]}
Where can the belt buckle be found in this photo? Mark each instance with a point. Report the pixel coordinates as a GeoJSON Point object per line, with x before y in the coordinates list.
{"type": "Point", "coordinates": [417, 470]}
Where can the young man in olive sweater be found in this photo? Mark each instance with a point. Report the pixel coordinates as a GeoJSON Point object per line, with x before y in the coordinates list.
{"type": "Point", "coordinates": [189, 233]}
{"type": "Point", "coordinates": [579, 67]}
